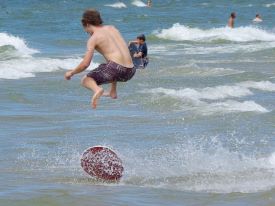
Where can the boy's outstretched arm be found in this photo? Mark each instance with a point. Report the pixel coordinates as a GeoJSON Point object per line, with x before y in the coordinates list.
{"type": "Point", "coordinates": [85, 63]}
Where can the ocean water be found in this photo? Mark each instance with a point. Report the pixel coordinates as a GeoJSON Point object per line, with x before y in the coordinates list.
{"type": "Point", "coordinates": [197, 127]}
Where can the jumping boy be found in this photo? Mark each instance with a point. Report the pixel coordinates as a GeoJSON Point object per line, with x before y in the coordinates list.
{"type": "Point", "coordinates": [107, 40]}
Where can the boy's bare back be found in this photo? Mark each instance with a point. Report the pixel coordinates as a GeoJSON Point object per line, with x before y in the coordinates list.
{"type": "Point", "coordinates": [108, 41]}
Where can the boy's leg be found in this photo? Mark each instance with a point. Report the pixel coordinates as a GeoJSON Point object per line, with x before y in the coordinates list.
{"type": "Point", "coordinates": [112, 93]}
{"type": "Point", "coordinates": [91, 84]}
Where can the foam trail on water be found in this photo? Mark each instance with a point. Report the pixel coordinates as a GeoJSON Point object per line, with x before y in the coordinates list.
{"type": "Point", "coordinates": [180, 32]}
{"type": "Point", "coordinates": [201, 165]}
{"type": "Point", "coordinates": [67, 157]}
{"type": "Point", "coordinates": [139, 3]}
{"type": "Point", "coordinates": [117, 5]}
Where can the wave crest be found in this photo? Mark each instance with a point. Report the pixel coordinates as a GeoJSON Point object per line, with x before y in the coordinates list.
{"type": "Point", "coordinates": [217, 100]}
{"type": "Point", "coordinates": [28, 67]}
{"type": "Point", "coordinates": [16, 60]}
{"type": "Point", "coordinates": [8, 41]}
{"type": "Point", "coordinates": [139, 3]}
{"type": "Point", "coordinates": [117, 5]}
{"type": "Point", "coordinates": [180, 32]}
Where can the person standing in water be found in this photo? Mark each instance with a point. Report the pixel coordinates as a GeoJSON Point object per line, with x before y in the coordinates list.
{"type": "Point", "coordinates": [231, 20]}
{"type": "Point", "coordinates": [257, 19]}
{"type": "Point", "coordinates": [138, 50]}
{"type": "Point", "coordinates": [107, 40]}
{"type": "Point", "coordinates": [149, 3]}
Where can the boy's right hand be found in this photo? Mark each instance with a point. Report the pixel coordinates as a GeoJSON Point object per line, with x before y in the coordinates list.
{"type": "Point", "coordinates": [68, 75]}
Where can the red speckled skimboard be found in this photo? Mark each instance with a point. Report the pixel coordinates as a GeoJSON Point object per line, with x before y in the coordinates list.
{"type": "Point", "coordinates": [103, 163]}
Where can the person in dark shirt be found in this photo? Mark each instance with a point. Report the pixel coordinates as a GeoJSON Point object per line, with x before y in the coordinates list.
{"type": "Point", "coordinates": [138, 50]}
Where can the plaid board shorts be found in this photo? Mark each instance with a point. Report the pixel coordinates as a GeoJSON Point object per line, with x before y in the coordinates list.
{"type": "Point", "coordinates": [111, 72]}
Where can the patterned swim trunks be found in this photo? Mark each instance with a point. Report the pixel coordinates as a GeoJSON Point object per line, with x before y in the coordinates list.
{"type": "Point", "coordinates": [111, 72]}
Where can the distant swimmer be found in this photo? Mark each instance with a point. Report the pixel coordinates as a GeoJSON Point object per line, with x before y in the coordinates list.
{"type": "Point", "coordinates": [107, 40]}
{"type": "Point", "coordinates": [257, 19]}
{"type": "Point", "coordinates": [138, 50]}
{"type": "Point", "coordinates": [149, 3]}
{"type": "Point", "coordinates": [231, 20]}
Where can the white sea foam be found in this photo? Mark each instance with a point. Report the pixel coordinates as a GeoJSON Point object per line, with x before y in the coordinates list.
{"type": "Point", "coordinates": [180, 32]}
{"type": "Point", "coordinates": [269, 5]}
{"type": "Point", "coordinates": [18, 43]}
{"type": "Point", "coordinates": [28, 67]}
{"type": "Point", "coordinates": [263, 85]}
{"type": "Point", "coordinates": [219, 99]}
{"type": "Point", "coordinates": [183, 48]}
{"type": "Point", "coordinates": [271, 160]}
{"type": "Point", "coordinates": [210, 93]}
{"type": "Point", "coordinates": [227, 49]}
{"type": "Point", "coordinates": [139, 3]}
{"type": "Point", "coordinates": [232, 106]}
{"type": "Point", "coordinates": [117, 5]}
{"type": "Point", "coordinates": [20, 63]}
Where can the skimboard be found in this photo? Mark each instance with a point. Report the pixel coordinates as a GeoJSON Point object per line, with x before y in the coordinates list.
{"type": "Point", "coordinates": [103, 163]}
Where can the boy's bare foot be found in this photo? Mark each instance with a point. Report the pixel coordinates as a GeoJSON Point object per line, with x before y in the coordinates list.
{"type": "Point", "coordinates": [96, 97]}
{"type": "Point", "coordinates": [113, 95]}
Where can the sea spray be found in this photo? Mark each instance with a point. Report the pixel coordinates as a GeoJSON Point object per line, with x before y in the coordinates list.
{"type": "Point", "coordinates": [200, 164]}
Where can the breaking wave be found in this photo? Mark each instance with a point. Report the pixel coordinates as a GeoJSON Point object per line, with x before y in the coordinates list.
{"type": "Point", "coordinates": [117, 5]}
{"type": "Point", "coordinates": [180, 32]}
{"type": "Point", "coordinates": [139, 3]}
{"type": "Point", "coordinates": [219, 99]}
{"type": "Point", "coordinates": [17, 60]}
